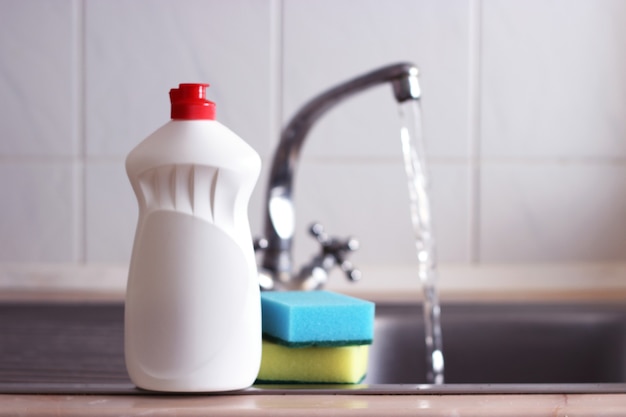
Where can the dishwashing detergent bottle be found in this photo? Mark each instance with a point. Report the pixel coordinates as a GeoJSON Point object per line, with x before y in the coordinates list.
{"type": "Point", "coordinates": [193, 315]}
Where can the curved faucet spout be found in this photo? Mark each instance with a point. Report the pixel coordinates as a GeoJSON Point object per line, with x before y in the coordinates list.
{"type": "Point", "coordinates": [280, 214]}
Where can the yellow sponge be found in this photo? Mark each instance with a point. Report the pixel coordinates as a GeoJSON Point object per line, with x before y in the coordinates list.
{"type": "Point", "coordinates": [338, 365]}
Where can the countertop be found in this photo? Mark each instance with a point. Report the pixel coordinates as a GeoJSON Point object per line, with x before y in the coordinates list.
{"type": "Point", "coordinates": [313, 405]}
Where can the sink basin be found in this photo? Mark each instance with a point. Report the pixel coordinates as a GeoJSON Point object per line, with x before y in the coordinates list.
{"type": "Point", "coordinates": [504, 344]}
{"type": "Point", "coordinates": [488, 348]}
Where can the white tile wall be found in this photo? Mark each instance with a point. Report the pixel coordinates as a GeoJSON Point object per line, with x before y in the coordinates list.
{"type": "Point", "coordinates": [553, 212]}
{"type": "Point", "coordinates": [39, 212]}
{"type": "Point", "coordinates": [523, 101]}
{"type": "Point", "coordinates": [327, 41]}
{"type": "Point", "coordinates": [370, 201]}
{"type": "Point", "coordinates": [37, 78]}
{"type": "Point", "coordinates": [553, 142]}
{"type": "Point", "coordinates": [553, 83]}
{"type": "Point", "coordinates": [135, 51]}
{"type": "Point", "coordinates": [111, 212]}
{"type": "Point", "coordinates": [353, 178]}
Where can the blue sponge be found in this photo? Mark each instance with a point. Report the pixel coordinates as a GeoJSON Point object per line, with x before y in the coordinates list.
{"type": "Point", "coordinates": [316, 318]}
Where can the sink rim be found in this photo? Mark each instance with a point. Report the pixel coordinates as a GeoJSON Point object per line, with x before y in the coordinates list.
{"type": "Point", "coordinates": [323, 389]}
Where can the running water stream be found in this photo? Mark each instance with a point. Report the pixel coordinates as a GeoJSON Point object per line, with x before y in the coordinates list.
{"type": "Point", "coordinates": [419, 203]}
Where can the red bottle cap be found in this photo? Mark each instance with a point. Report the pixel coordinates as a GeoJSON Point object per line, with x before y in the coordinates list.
{"type": "Point", "coordinates": [189, 102]}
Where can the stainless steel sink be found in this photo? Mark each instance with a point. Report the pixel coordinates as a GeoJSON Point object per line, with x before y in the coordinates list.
{"type": "Point", "coordinates": [488, 348]}
{"type": "Point", "coordinates": [504, 344]}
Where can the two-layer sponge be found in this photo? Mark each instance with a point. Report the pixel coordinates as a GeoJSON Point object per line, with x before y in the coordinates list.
{"type": "Point", "coordinates": [315, 337]}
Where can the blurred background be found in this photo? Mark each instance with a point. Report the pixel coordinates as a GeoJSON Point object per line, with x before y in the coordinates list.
{"type": "Point", "coordinates": [524, 107]}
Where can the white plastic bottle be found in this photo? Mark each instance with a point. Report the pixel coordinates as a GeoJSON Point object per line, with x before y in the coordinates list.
{"type": "Point", "coordinates": [193, 316]}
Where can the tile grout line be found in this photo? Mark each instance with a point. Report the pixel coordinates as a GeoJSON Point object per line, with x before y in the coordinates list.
{"type": "Point", "coordinates": [276, 72]}
{"type": "Point", "coordinates": [80, 130]}
{"type": "Point", "coordinates": [475, 58]}
{"type": "Point", "coordinates": [74, 159]}
{"type": "Point", "coordinates": [527, 161]}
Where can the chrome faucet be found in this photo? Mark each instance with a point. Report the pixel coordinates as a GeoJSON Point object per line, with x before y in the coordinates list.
{"type": "Point", "coordinates": [276, 269]}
